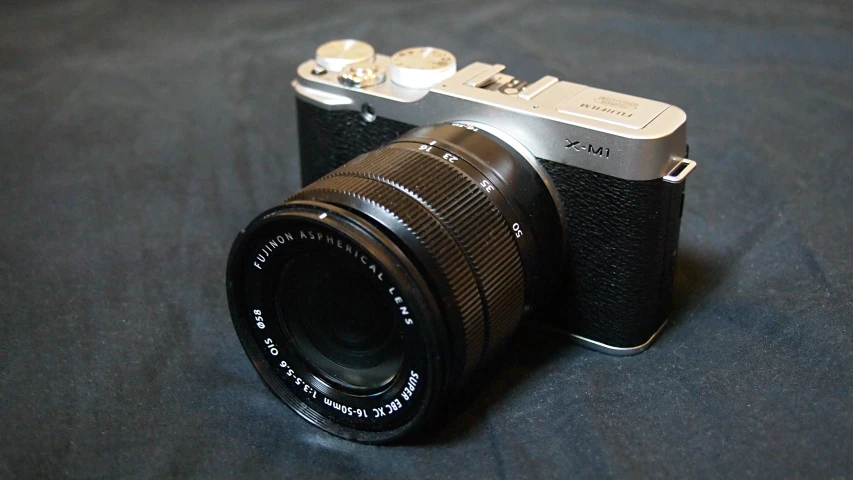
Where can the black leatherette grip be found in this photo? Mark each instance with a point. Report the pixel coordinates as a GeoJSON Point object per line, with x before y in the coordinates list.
{"type": "Point", "coordinates": [622, 238]}
{"type": "Point", "coordinates": [331, 138]}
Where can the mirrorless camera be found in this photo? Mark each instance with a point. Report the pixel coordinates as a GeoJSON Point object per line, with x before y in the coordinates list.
{"type": "Point", "coordinates": [441, 207]}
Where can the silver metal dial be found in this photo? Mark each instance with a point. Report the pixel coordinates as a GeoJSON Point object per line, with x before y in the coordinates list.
{"type": "Point", "coordinates": [337, 54]}
{"type": "Point", "coordinates": [360, 75]}
{"type": "Point", "coordinates": [422, 67]}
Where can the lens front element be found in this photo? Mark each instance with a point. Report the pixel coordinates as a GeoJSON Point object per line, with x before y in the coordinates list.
{"type": "Point", "coordinates": [340, 320]}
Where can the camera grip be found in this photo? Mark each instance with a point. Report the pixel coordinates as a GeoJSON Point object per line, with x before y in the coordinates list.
{"type": "Point", "coordinates": [622, 241]}
{"type": "Point", "coordinates": [331, 138]}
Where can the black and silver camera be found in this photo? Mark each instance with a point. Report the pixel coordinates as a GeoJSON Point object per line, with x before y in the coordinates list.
{"type": "Point", "coordinates": [440, 208]}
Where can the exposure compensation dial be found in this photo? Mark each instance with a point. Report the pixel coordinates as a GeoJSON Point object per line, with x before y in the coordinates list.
{"type": "Point", "coordinates": [422, 67]}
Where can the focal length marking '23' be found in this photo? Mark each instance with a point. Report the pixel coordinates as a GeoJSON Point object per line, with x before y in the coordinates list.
{"type": "Point", "coordinates": [589, 148]}
{"type": "Point", "coordinates": [484, 184]}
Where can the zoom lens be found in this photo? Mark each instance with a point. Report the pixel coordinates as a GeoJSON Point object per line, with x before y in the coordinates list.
{"type": "Point", "coordinates": [371, 295]}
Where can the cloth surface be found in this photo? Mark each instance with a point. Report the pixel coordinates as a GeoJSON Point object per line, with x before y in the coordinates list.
{"type": "Point", "coordinates": [137, 138]}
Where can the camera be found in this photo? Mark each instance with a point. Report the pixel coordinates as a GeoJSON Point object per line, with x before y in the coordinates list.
{"type": "Point", "coordinates": [441, 207]}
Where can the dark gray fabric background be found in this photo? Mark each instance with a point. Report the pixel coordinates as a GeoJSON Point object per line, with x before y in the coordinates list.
{"type": "Point", "coordinates": [137, 138]}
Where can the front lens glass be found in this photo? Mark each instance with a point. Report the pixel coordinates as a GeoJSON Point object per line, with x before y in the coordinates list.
{"type": "Point", "coordinates": [340, 320]}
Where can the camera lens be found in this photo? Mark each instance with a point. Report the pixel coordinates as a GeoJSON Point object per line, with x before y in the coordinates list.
{"type": "Point", "coordinates": [348, 333]}
{"type": "Point", "coordinates": [368, 298]}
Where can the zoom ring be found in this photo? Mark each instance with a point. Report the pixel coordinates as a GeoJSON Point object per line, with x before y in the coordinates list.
{"type": "Point", "coordinates": [465, 209]}
{"type": "Point", "coordinates": [458, 225]}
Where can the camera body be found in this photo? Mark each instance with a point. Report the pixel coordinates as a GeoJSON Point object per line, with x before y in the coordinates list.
{"type": "Point", "coordinates": [440, 207]}
{"type": "Point", "coordinates": [615, 165]}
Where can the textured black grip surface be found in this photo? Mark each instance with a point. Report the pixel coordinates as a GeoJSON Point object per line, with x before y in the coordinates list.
{"type": "Point", "coordinates": [622, 238]}
{"type": "Point", "coordinates": [331, 138]}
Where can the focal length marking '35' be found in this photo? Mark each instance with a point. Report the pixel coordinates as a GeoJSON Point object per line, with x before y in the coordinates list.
{"type": "Point", "coordinates": [440, 208]}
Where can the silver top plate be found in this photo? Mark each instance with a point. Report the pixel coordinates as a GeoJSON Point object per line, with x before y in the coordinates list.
{"type": "Point", "coordinates": [537, 87]}
{"type": "Point", "coordinates": [626, 137]}
{"type": "Point", "coordinates": [612, 107]}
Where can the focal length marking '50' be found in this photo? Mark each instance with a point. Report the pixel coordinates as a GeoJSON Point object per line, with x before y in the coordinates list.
{"type": "Point", "coordinates": [441, 207]}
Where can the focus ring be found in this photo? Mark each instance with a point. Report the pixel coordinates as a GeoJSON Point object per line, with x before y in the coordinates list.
{"type": "Point", "coordinates": [473, 243]}
{"type": "Point", "coordinates": [464, 208]}
{"type": "Point", "coordinates": [435, 239]}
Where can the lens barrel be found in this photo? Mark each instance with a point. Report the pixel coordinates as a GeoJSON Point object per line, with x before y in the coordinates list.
{"type": "Point", "coordinates": [372, 294]}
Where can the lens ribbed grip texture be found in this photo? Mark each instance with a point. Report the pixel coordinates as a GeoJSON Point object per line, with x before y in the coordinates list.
{"type": "Point", "coordinates": [463, 207]}
{"type": "Point", "coordinates": [458, 225]}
